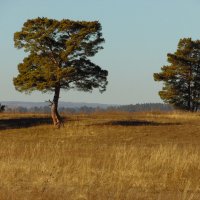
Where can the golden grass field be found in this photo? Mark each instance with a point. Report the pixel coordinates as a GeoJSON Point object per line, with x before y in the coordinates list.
{"type": "Point", "coordinates": [100, 156]}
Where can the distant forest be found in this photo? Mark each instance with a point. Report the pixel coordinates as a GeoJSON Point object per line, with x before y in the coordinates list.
{"type": "Point", "coordinates": [87, 109]}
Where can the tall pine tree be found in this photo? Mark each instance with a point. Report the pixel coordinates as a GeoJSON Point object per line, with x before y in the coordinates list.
{"type": "Point", "coordinates": [59, 53]}
{"type": "Point", "coordinates": [182, 76]}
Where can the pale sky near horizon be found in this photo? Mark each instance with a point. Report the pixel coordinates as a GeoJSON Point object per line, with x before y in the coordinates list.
{"type": "Point", "coordinates": [138, 34]}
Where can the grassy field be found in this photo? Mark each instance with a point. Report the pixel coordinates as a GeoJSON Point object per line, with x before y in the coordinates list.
{"type": "Point", "coordinates": [100, 156]}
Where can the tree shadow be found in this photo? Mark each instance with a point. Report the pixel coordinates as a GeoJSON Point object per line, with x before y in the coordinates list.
{"type": "Point", "coordinates": [23, 122]}
{"type": "Point", "coordinates": [136, 123]}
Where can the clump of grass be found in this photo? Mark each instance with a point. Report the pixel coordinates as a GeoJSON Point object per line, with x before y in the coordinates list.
{"type": "Point", "coordinates": [175, 115]}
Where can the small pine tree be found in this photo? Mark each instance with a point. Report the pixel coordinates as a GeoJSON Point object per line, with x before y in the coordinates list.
{"type": "Point", "coordinates": [2, 108]}
{"type": "Point", "coordinates": [182, 77]}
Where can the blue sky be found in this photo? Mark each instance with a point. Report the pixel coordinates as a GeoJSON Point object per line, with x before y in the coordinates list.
{"type": "Point", "coordinates": [138, 34]}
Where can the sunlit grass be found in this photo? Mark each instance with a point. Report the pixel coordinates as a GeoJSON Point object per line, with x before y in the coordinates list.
{"type": "Point", "coordinates": [97, 156]}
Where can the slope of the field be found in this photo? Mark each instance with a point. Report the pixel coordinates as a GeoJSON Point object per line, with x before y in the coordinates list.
{"type": "Point", "coordinates": [102, 156]}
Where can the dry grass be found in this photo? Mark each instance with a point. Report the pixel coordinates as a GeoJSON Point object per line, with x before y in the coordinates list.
{"type": "Point", "coordinates": [116, 156]}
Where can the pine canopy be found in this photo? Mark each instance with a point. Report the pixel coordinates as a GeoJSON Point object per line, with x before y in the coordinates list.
{"type": "Point", "coordinates": [59, 53]}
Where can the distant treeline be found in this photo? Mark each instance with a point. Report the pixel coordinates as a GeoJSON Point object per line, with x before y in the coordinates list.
{"type": "Point", "coordinates": [86, 109]}
{"type": "Point", "coordinates": [143, 107]}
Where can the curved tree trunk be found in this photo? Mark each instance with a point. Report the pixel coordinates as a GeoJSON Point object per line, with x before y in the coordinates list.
{"type": "Point", "coordinates": [57, 121]}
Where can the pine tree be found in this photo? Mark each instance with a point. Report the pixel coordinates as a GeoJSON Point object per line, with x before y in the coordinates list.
{"type": "Point", "coordinates": [2, 108]}
{"type": "Point", "coordinates": [182, 77]}
{"type": "Point", "coordinates": [58, 58]}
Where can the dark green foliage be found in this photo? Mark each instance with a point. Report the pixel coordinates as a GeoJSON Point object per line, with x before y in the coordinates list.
{"type": "Point", "coordinates": [2, 108]}
{"type": "Point", "coordinates": [59, 54]}
{"type": "Point", "coordinates": [182, 77]}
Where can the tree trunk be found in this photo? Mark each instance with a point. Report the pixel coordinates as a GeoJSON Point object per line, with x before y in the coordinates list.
{"type": "Point", "coordinates": [57, 121]}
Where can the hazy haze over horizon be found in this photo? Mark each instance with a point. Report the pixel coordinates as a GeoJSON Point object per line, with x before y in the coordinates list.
{"type": "Point", "coordinates": [138, 34]}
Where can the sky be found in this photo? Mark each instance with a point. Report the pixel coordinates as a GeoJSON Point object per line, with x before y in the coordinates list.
{"type": "Point", "coordinates": [138, 35]}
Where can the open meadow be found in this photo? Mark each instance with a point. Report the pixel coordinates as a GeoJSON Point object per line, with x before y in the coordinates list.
{"type": "Point", "coordinates": [100, 156]}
